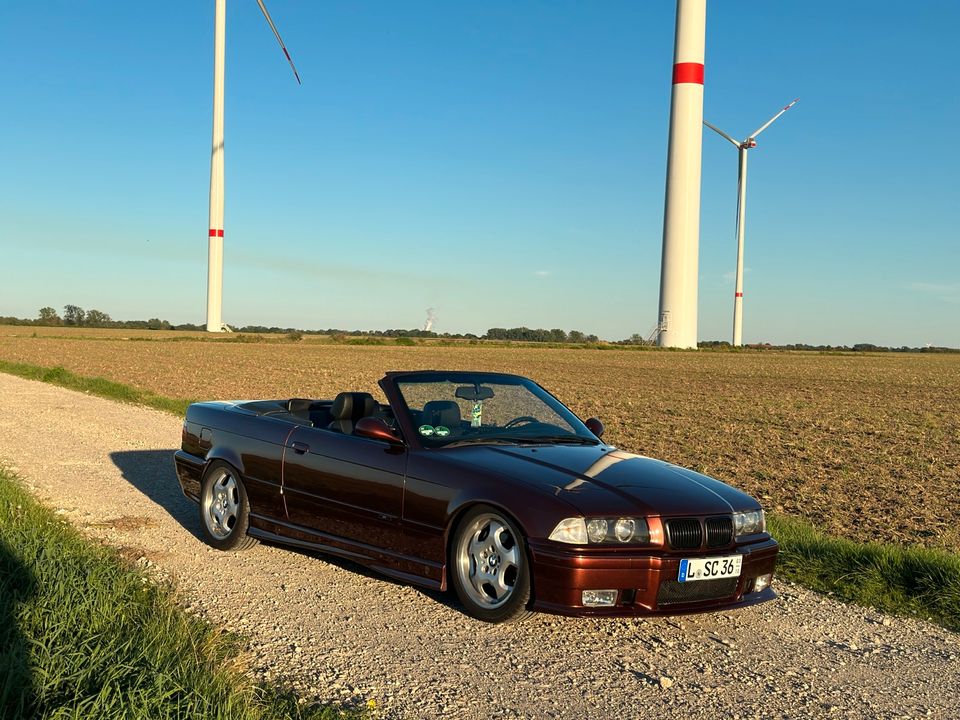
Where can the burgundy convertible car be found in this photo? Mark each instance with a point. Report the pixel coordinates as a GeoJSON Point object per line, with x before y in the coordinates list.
{"type": "Point", "coordinates": [482, 481]}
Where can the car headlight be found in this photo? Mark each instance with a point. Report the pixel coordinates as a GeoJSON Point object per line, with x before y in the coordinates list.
{"type": "Point", "coordinates": [597, 531]}
{"type": "Point", "coordinates": [571, 530]}
{"type": "Point", "coordinates": [749, 523]}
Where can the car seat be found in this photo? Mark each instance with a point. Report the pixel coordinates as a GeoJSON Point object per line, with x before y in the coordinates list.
{"type": "Point", "coordinates": [348, 407]}
{"type": "Point", "coordinates": [442, 412]}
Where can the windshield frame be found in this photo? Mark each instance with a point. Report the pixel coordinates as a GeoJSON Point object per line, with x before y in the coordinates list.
{"type": "Point", "coordinates": [391, 387]}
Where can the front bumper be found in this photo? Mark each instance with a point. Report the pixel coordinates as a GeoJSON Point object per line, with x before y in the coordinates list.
{"type": "Point", "coordinates": [645, 580]}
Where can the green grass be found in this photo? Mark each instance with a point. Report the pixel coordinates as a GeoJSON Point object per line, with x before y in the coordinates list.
{"type": "Point", "coordinates": [82, 635]}
{"type": "Point", "coordinates": [95, 386]}
{"type": "Point", "coordinates": [901, 580]}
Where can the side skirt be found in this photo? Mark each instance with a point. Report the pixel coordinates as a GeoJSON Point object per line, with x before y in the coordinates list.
{"type": "Point", "coordinates": [377, 559]}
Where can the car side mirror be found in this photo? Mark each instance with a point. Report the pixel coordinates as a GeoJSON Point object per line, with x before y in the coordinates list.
{"type": "Point", "coordinates": [595, 426]}
{"type": "Point", "coordinates": [375, 429]}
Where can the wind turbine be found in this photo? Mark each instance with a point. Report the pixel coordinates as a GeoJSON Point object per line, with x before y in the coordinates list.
{"type": "Point", "coordinates": [743, 147]}
{"type": "Point", "coordinates": [677, 323]}
{"type": "Point", "coordinates": [215, 242]}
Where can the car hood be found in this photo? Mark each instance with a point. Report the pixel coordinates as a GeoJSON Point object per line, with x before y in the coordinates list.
{"type": "Point", "coordinates": [602, 480]}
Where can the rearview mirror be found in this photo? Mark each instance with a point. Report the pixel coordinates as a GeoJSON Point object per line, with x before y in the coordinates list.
{"type": "Point", "coordinates": [375, 429]}
{"type": "Point", "coordinates": [595, 426]}
{"type": "Point", "coordinates": [474, 393]}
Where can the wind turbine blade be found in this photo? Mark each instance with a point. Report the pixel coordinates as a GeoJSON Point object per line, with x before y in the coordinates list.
{"type": "Point", "coordinates": [283, 47]}
{"type": "Point", "coordinates": [769, 122]}
{"type": "Point", "coordinates": [721, 133]}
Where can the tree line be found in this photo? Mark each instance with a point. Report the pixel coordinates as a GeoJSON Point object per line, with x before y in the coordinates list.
{"type": "Point", "coordinates": [76, 316]}
{"type": "Point", "coordinates": [857, 347]}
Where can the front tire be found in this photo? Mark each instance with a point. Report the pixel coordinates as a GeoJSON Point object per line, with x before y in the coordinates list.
{"type": "Point", "coordinates": [224, 508]}
{"type": "Point", "coordinates": [490, 570]}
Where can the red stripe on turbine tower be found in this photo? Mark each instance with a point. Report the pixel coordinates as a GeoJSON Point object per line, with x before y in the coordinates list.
{"type": "Point", "coordinates": [738, 294]}
{"type": "Point", "coordinates": [216, 233]}
{"type": "Point", "coordinates": [688, 72]}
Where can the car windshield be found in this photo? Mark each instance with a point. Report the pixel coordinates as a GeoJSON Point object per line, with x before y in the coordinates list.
{"type": "Point", "coordinates": [475, 408]}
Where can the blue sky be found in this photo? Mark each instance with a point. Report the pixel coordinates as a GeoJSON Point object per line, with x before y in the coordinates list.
{"type": "Point", "coordinates": [501, 162]}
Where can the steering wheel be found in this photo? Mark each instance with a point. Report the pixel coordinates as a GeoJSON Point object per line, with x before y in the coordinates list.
{"type": "Point", "coordinates": [522, 419]}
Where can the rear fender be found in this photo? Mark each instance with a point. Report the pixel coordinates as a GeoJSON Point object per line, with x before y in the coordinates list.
{"type": "Point", "coordinates": [227, 455]}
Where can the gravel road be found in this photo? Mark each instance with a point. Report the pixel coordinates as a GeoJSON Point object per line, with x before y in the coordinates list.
{"type": "Point", "coordinates": [337, 632]}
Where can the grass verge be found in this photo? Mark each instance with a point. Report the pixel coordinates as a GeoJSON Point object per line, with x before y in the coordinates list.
{"type": "Point", "coordinates": [901, 580]}
{"type": "Point", "coordinates": [82, 635]}
{"type": "Point", "coordinates": [95, 386]}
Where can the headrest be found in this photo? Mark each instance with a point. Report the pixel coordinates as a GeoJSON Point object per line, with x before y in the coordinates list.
{"type": "Point", "coordinates": [442, 412]}
{"type": "Point", "coordinates": [298, 404]}
{"type": "Point", "coordinates": [353, 406]}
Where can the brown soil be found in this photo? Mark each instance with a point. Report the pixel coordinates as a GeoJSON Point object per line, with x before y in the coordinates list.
{"type": "Point", "coordinates": [867, 446]}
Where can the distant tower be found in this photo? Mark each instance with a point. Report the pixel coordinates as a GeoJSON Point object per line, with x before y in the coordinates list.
{"type": "Point", "coordinates": [681, 214]}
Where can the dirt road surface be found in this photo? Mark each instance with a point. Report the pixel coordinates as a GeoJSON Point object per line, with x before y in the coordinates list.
{"type": "Point", "coordinates": [344, 635]}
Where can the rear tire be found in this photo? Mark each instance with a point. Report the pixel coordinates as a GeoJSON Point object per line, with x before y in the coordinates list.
{"type": "Point", "coordinates": [489, 566]}
{"type": "Point", "coordinates": [224, 508]}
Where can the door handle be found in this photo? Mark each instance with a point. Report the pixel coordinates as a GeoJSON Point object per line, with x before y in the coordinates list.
{"type": "Point", "coordinates": [300, 448]}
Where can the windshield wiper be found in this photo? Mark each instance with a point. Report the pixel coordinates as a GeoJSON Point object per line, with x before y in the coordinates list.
{"type": "Point", "coordinates": [484, 439]}
{"type": "Point", "coordinates": [562, 439]}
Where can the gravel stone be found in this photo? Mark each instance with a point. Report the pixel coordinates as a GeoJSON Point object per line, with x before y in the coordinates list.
{"type": "Point", "coordinates": [340, 633]}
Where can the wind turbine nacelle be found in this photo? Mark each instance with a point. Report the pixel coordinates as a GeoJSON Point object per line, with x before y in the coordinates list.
{"type": "Point", "coordinates": [751, 143]}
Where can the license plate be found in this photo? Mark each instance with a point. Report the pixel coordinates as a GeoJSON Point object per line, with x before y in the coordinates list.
{"type": "Point", "coordinates": [710, 568]}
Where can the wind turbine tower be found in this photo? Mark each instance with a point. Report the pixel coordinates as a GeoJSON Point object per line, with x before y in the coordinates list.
{"type": "Point", "coordinates": [215, 233]}
{"type": "Point", "coordinates": [742, 147]}
{"type": "Point", "coordinates": [677, 324]}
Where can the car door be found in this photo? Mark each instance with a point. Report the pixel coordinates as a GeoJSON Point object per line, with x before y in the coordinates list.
{"type": "Point", "coordinates": [345, 491]}
{"type": "Point", "coordinates": [255, 444]}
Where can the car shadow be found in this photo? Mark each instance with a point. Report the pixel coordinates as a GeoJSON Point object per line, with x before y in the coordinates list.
{"type": "Point", "coordinates": [17, 586]}
{"type": "Point", "coordinates": [448, 599]}
{"type": "Point", "coordinates": [152, 473]}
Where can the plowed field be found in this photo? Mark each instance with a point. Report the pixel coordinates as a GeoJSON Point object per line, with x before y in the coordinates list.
{"type": "Point", "coordinates": [867, 446]}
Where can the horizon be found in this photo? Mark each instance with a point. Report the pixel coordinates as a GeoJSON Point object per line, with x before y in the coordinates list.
{"type": "Point", "coordinates": [164, 325]}
{"type": "Point", "coordinates": [504, 165]}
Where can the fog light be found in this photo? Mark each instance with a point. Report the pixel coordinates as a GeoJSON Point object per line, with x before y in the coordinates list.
{"type": "Point", "coordinates": [599, 598]}
{"type": "Point", "coordinates": [762, 582]}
